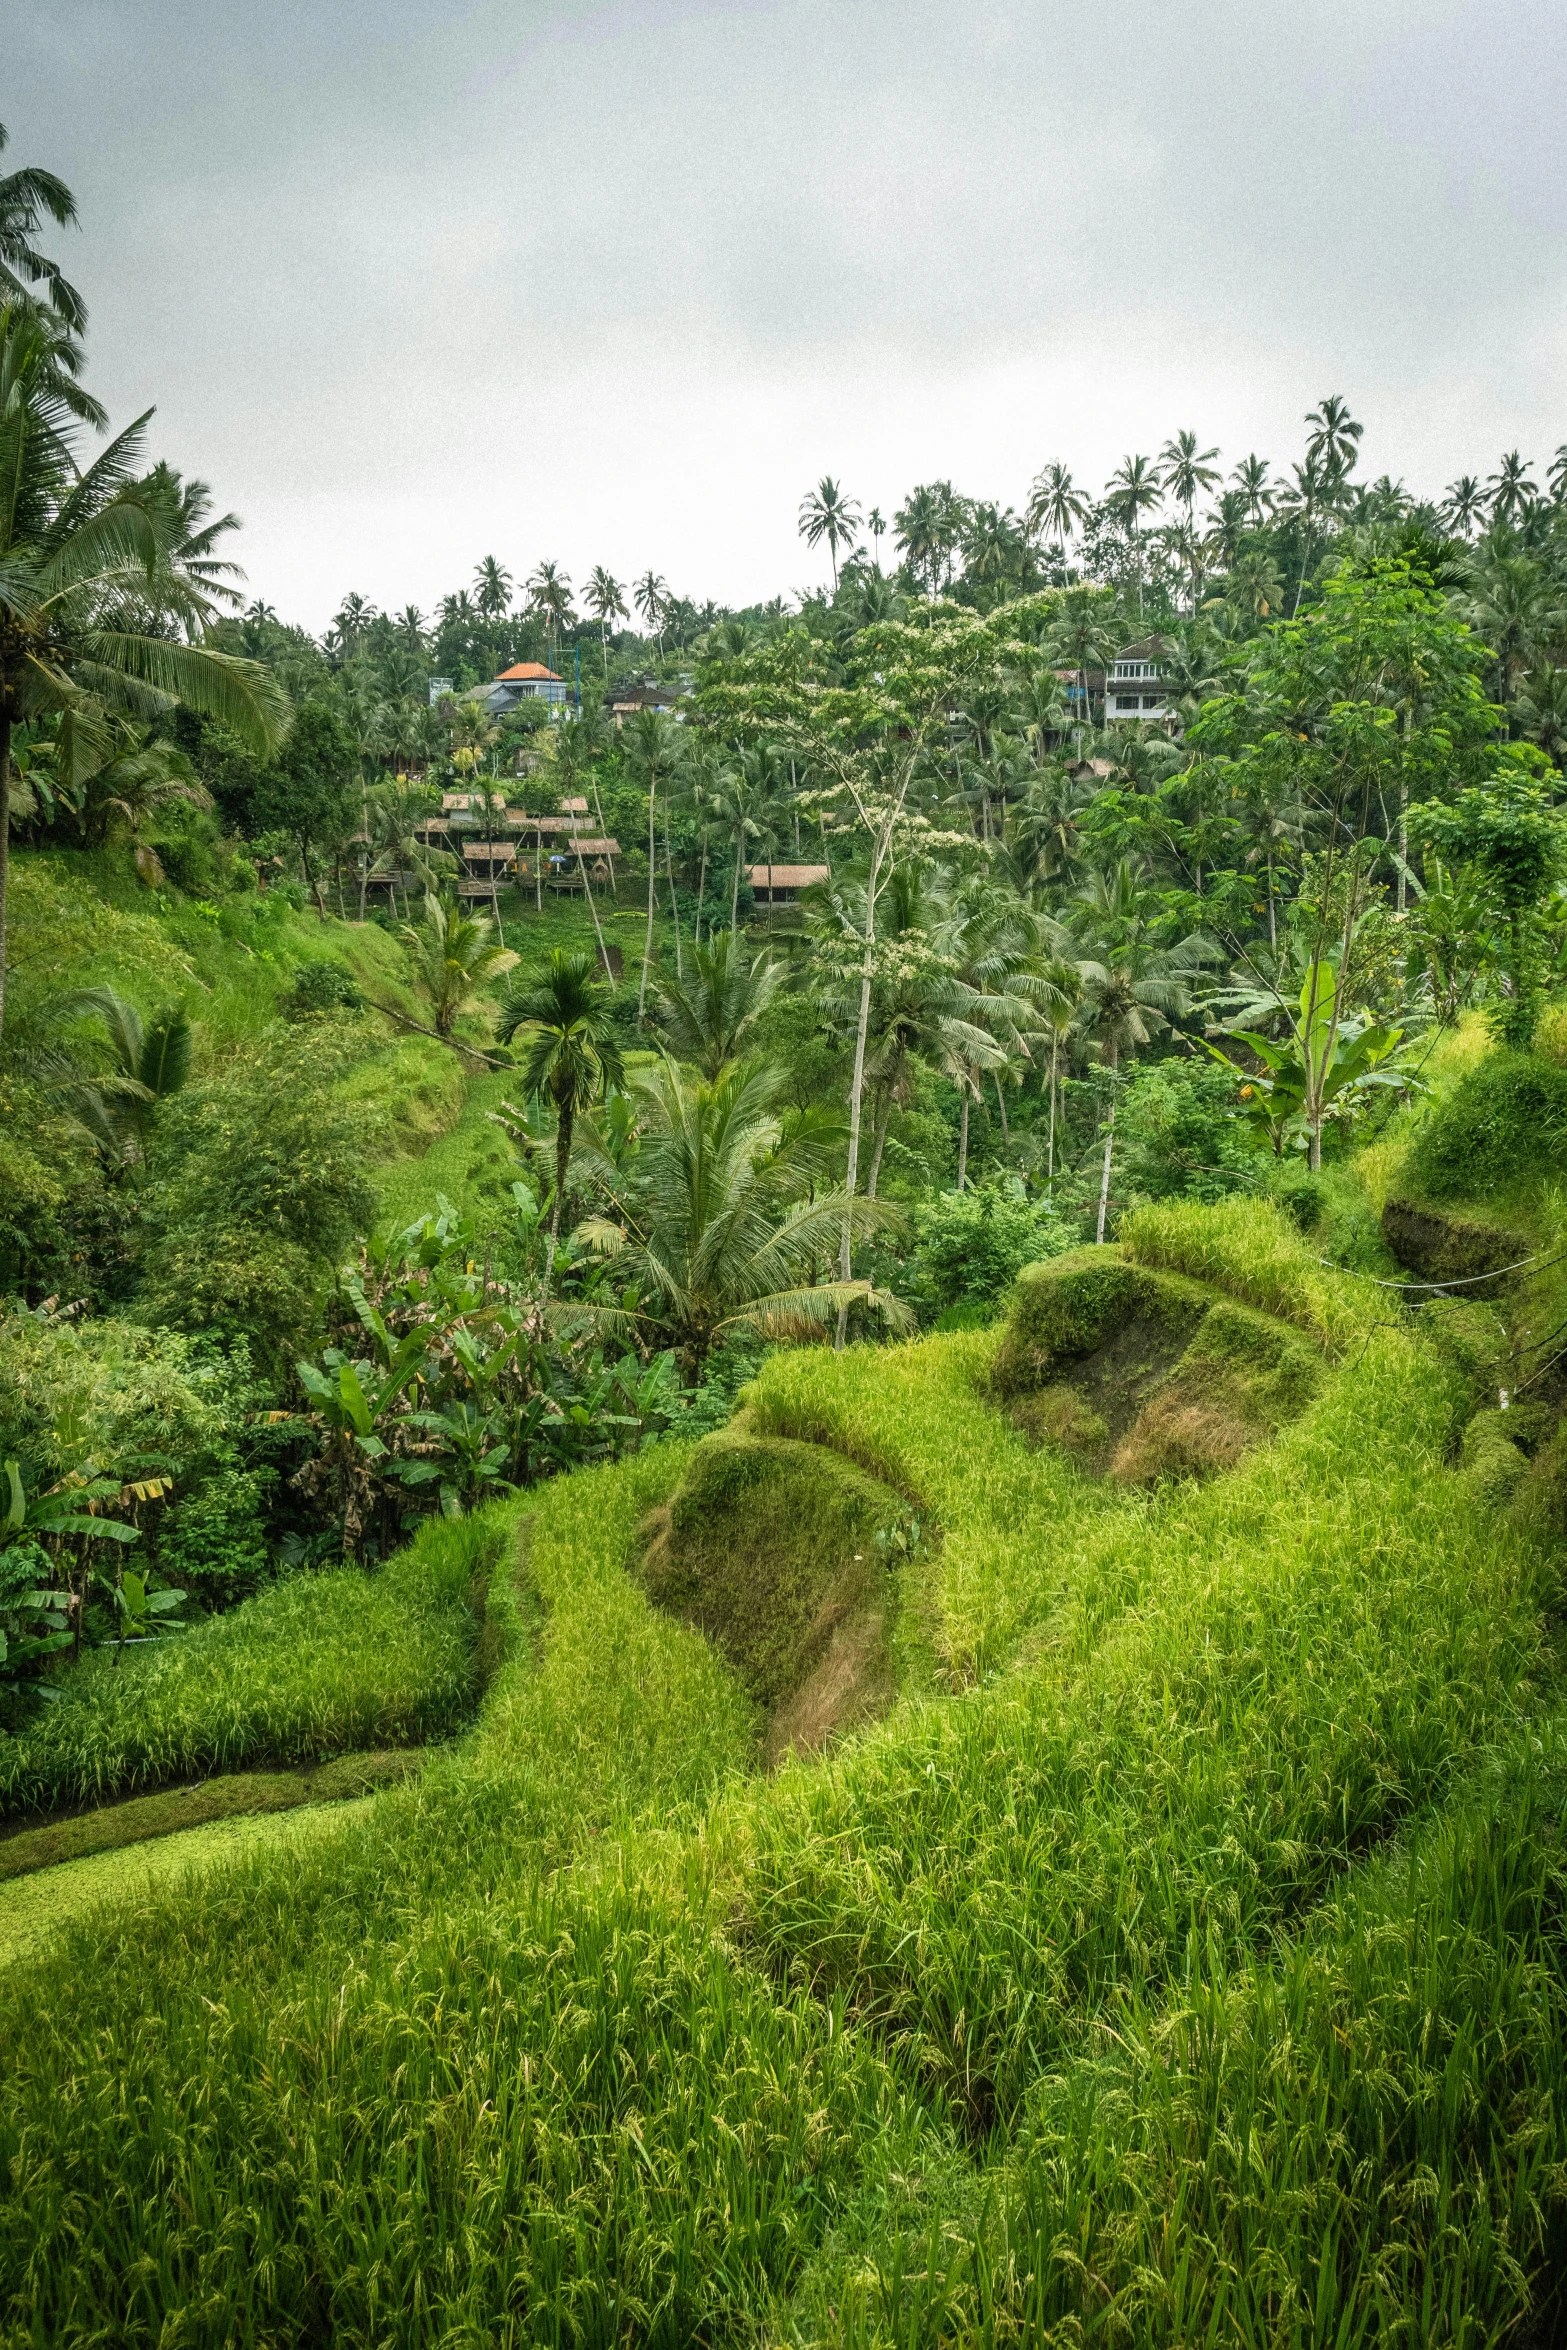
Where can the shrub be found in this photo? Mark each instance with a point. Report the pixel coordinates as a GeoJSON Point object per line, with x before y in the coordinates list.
{"type": "Point", "coordinates": [320, 987]}
{"type": "Point", "coordinates": [214, 1543]}
{"type": "Point", "coordinates": [1178, 1135]}
{"type": "Point", "coordinates": [1504, 1125]}
{"type": "Point", "coordinates": [972, 1245]}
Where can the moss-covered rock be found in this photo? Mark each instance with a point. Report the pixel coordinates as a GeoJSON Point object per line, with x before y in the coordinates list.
{"type": "Point", "coordinates": [779, 1551]}
{"type": "Point", "coordinates": [1144, 1374]}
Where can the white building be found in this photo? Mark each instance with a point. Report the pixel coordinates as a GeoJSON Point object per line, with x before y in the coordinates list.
{"type": "Point", "coordinates": [1132, 685]}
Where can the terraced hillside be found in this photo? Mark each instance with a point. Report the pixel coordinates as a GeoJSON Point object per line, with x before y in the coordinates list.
{"type": "Point", "coordinates": [1167, 1945]}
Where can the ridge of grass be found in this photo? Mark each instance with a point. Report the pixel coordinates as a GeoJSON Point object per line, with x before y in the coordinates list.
{"type": "Point", "coordinates": [314, 1666]}
{"type": "Point", "coordinates": [139, 1819]}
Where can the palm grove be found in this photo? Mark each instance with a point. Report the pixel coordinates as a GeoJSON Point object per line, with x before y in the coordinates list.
{"type": "Point", "coordinates": [1057, 955]}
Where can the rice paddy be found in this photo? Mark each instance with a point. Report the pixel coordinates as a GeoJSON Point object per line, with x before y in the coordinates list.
{"type": "Point", "coordinates": [1178, 1958]}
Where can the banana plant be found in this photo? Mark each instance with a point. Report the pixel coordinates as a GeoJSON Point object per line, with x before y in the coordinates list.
{"type": "Point", "coordinates": [1326, 1063]}
{"type": "Point", "coordinates": [143, 1614]}
{"type": "Point", "coordinates": [51, 1530]}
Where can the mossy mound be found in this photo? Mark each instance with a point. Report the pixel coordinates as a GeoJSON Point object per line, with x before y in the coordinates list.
{"type": "Point", "coordinates": [1503, 1128]}
{"type": "Point", "coordinates": [770, 1547]}
{"type": "Point", "coordinates": [1146, 1375]}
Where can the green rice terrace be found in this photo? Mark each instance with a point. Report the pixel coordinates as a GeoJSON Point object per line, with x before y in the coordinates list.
{"type": "Point", "coordinates": [783, 1437]}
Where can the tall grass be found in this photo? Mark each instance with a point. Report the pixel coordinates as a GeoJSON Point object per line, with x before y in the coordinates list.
{"type": "Point", "coordinates": [1245, 1689]}
{"type": "Point", "coordinates": [314, 1666]}
{"type": "Point", "coordinates": [592, 2039]}
{"type": "Point", "coordinates": [1352, 2139]}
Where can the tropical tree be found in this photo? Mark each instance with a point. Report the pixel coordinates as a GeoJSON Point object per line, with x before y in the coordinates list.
{"type": "Point", "coordinates": [1333, 442]}
{"type": "Point", "coordinates": [653, 755]}
{"type": "Point", "coordinates": [27, 198]}
{"type": "Point", "coordinates": [455, 957]}
{"type": "Point", "coordinates": [709, 1018]}
{"type": "Point", "coordinates": [828, 513]}
{"type": "Point", "coordinates": [1512, 493]}
{"type": "Point", "coordinates": [1463, 506]}
{"type": "Point", "coordinates": [1250, 479]}
{"type": "Point", "coordinates": [84, 559]}
{"type": "Point", "coordinates": [549, 591]}
{"type": "Point", "coordinates": [492, 589]}
{"type": "Point", "coordinates": [724, 1223]}
{"type": "Point", "coordinates": [1135, 488]}
{"type": "Point", "coordinates": [652, 601]}
{"type": "Point", "coordinates": [1187, 469]}
{"type": "Point", "coordinates": [605, 599]}
{"type": "Point", "coordinates": [1056, 509]}
{"type": "Point", "coordinates": [112, 1094]}
{"type": "Point", "coordinates": [1133, 986]}
{"type": "Point", "coordinates": [572, 1056]}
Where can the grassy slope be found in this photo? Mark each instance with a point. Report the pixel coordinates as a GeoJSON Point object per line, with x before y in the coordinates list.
{"type": "Point", "coordinates": [315, 1665]}
{"type": "Point", "coordinates": [425, 2082]}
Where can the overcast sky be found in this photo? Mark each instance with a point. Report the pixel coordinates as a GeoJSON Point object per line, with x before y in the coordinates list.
{"type": "Point", "coordinates": [413, 281]}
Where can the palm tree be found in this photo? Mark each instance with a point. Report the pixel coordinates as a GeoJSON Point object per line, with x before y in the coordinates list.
{"type": "Point", "coordinates": [827, 513]}
{"type": "Point", "coordinates": [917, 527]}
{"type": "Point", "coordinates": [1463, 507]}
{"type": "Point", "coordinates": [1541, 711]}
{"type": "Point", "coordinates": [1556, 475]}
{"type": "Point", "coordinates": [1512, 608]}
{"type": "Point", "coordinates": [876, 524]}
{"type": "Point", "coordinates": [492, 588]}
{"type": "Point", "coordinates": [455, 958]}
{"type": "Point", "coordinates": [410, 628]}
{"type": "Point", "coordinates": [652, 601]}
{"type": "Point", "coordinates": [1081, 639]}
{"type": "Point", "coordinates": [83, 560]}
{"type": "Point", "coordinates": [605, 599]}
{"type": "Point", "coordinates": [147, 1063]}
{"type": "Point", "coordinates": [1334, 442]}
{"type": "Point", "coordinates": [1187, 469]}
{"type": "Point", "coordinates": [26, 198]}
{"type": "Point", "coordinates": [549, 591]}
{"type": "Point", "coordinates": [653, 752]}
{"type": "Point", "coordinates": [1055, 509]}
{"type": "Point", "coordinates": [1512, 492]}
{"type": "Point", "coordinates": [1132, 986]}
{"type": "Point", "coordinates": [723, 1219]}
{"type": "Point", "coordinates": [1134, 490]}
{"type": "Point", "coordinates": [572, 1058]}
{"type": "Point", "coordinates": [707, 1019]}
{"type": "Point", "coordinates": [1251, 480]}
{"type": "Point", "coordinates": [125, 780]}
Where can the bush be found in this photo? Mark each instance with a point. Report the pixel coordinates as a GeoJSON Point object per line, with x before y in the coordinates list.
{"type": "Point", "coordinates": [1505, 1124]}
{"type": "Point", "coordinates": [214, 1543]}
{"type": "Point", "coordinates": [972, 1245]}
{"type": "Point", "coordinates": [320, 987]}
{"type": "Point", "coordinates": [1178, 1135]}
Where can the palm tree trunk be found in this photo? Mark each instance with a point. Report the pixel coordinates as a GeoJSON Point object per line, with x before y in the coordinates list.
{"type": "Point", "coordinates": [1104, 1187]}
{"type": "Point", "coordinates": [883, 1120]}
{"type": "Point", "coordinates": [963, 1141]}
{"type": "Point", "coordinates": [857, 1092]}
{"type": "Point", "coordinates": [701, 889]}
{"type": "Point", "coordinates": [652, 884]}
{"type": "Point", "coordinates": [598, 927]}
{"type": "Point", "coordinates": [674, 902]}
{"type": "Point", "coordinates": [1050, 1160]}
{"type": "Point", "coordinates": [734, 896]}
{"type": "Point", "coordinates": [562, 1161]}
{"type": "Point", "coordinates": [5, 844]}
{"type": "Point", "coordinates": [1001, 1104]}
